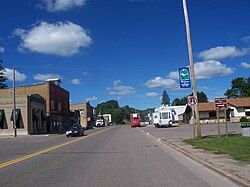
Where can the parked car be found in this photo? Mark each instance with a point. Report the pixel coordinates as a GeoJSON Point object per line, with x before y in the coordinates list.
{"type": "Point", "coordinates": [75, 130]}
{"type": "Point", "coordinates": [100, 123]}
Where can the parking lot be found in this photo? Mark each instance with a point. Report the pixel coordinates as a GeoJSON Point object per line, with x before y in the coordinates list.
{"type": "Point", "coordinates": [186, 131]}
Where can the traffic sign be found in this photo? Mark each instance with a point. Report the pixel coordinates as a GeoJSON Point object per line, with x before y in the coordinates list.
{"type": "Point", "coordinates": [192, 101]}
{"type": "Point", "coordinates": [184, 77]}
{"type": "Point", "coordinates": [220, 103]}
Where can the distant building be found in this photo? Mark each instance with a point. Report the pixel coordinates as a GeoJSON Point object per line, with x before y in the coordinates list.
{"type": "Point", "coordinates": [57, 102]}
{"type": "Point", "coordinates": [237, 108]}
{"type": "Point", "coordinates": [30, 115]}
{"type": "Point", "coordinates": [84, 114]}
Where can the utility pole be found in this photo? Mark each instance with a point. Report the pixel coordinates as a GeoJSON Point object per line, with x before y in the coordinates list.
{"type": "Point", "coordinates": [14, 102]}
{"type": "Point", "coordinates": [192, 73]}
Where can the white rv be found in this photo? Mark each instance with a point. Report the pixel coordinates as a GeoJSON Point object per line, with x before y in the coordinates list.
{"type": "Point", "coordinates": [163, 117]}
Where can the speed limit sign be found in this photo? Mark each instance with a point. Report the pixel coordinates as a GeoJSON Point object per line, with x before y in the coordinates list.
{"type": "Point", "coordinates": [192, 101]}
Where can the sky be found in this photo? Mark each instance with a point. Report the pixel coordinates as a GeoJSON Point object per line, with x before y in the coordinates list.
{"type": "Point", "coordinates": [126, 50]}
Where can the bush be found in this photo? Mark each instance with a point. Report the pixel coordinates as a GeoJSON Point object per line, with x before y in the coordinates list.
{"type": "Point", "coordinates": [243, 119]}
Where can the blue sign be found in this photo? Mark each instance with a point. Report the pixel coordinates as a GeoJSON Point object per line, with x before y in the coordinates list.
{"type": "Point", "coordinates": [184, 77]}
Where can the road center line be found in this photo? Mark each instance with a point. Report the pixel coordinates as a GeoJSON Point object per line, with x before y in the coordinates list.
{"type": "Point", "coordinates": [31, 155]}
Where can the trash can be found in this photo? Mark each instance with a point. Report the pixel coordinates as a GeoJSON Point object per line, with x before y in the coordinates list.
{"type": "Point", "coordinates": [245, 129]}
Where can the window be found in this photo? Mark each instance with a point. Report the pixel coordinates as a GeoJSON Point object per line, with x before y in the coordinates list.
{"type": "Point", "coordinates": [59, 107]}
{"type": "Point", "coordinates": [212, 114]}
{"type": "Point", "coordinates": [165, 115]}
{"type": "Point", "coordinates": [52, 105]}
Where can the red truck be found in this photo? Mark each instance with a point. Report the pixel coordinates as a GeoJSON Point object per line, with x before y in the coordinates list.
{"type": "Point", "coordinates": [135, 120]}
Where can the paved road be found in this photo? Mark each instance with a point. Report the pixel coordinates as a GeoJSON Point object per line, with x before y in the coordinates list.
{"type": "Point", "coordinates": [119, 156]}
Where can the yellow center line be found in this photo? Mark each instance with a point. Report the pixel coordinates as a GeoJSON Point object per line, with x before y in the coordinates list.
{"type": "Point", "coordinates": [31, 155]}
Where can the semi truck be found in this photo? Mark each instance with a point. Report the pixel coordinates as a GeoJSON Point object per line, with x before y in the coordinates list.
{"type": "Point", "coordinates": [135, 120]}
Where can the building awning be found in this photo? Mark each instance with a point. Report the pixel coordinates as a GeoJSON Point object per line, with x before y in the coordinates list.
{"type": "Point", "coordinates": [1, 114]}
{"type": "Point", "coordinates": [17, 115]}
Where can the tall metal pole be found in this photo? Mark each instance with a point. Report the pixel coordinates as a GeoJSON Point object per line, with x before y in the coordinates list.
{"type": "Point", "coordinates": [192, 73]}
{"type": "Point", "coordinates": [14, 102]}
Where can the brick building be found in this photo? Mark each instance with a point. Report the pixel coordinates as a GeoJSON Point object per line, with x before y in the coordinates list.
{"type": "Point", "coordinates": [57, 102]}
{"type": "Point", "coordinates": [29, 116]}
{"type": "Point", "coordinates": [84, 114]}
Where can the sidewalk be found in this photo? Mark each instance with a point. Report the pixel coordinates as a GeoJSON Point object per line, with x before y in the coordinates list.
{"type": "Point", "coordinates": [223, 164]}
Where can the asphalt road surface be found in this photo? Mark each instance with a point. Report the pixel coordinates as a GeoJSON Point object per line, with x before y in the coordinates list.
{"type": "Point", "coordinates": [116, 156]}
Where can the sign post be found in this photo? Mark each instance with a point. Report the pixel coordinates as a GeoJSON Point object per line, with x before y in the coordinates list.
{"type": "Point", "coordinates": [184, 77]}
{"type": "Point", "coordinates": [221, 104]}
{"type": "Point", "coordinates": [192, 101]}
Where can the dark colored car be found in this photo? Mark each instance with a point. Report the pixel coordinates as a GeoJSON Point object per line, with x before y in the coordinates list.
{"type": "Point", "coordinates": [75, 130]}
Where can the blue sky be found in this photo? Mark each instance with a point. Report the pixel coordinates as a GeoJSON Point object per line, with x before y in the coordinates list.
{"type": "Point", "coordinates": [127, 50]}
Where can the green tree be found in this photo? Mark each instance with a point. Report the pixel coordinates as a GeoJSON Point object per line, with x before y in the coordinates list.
{"type": "Point", "coordinates": [111, 104]}
{"type": "Point", "coordinates": [240, 87]}
{"type": "Point", "coordinates": [183, 101]}
{"type": "Point", "coordinates": [176, 102]}
{"type": "Point", "coordinates": [165, 100]}
{"type": "Point", "coordinates": [116, 114]}
{"type": "Point", "coordinates": [2, 77]}
{"type": "Point", "coordinates": [202, 97]}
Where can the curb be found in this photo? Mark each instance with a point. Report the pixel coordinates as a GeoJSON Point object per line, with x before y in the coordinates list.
{"type": "Point", "coordinates": [238, 180]}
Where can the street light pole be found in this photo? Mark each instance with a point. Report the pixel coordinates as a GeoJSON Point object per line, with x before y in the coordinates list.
{"type": "Point", "coordinates": [192, 73]}
{"type": "Point", "coordinates": [14, 102]}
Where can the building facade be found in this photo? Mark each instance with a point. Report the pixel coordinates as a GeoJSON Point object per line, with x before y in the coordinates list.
{"type": "Point", "coordinates": [237, 108]}
{"type": "Point", "coordinates": [57, 103]}
{"type": "Point", "coordinates": [84, 114]}
{"type": "Point", "coordinates": [29, 115]}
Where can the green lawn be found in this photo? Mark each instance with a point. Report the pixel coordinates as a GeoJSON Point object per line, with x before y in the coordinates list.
{"type": "Point", "coordinates": [236, 146]}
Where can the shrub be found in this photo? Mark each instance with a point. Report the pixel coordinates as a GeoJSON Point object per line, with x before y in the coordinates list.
{"type": "Point", "coordinates": [243, 119]}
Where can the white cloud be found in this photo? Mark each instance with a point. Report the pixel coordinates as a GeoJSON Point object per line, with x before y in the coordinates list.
{"type": "Point", "coordinates": [94, 98]}
{"type": "Point", "coordinates": [212, 68]}
{"type": "Point", "coordinates": [245, 65]}
{"type": "Point", "coordinates": [87, 74]}
{"type": "Point", "coordinates": [246, 39]}
{"type": "Point", "coordinates": [18, 76]}
{"type": "Point", "coordinates": [221, 52]}
{"type": "Point", "coordinates": [2, 49]}
{"type": "Point", "coordinates": [152, 94]}
{"type": "Point", "coordinates": [206, 70]}
{"type": "Point", "coordinates": [75, 81]}
{"type": "Point", "coordinates": [44, 77]}
{"type": "Point", "coordinates": [62, 39]}
{"type": "Point", "coordinates": [62, 5]}
{"type": "Point", "coordinates": [118, 89]}
{"type": "Point", "coordinates": [161, 83]}
{"type": "Point", "coordinates": [173, 75]}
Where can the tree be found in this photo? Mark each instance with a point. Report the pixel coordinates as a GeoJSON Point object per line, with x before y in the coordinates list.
{"type": "Point", "coordinates": [183, 101]}
{"type": "Point", "coordinates": [202, 97]}
{"type": "Point", "coordinates": [240, 87]}
{"type": "Point", "coordinates": [176, 102]}
{"type": "Point", "coordinates": [2, 77]}
{"type": "Point", "coordinates": [165, 100]}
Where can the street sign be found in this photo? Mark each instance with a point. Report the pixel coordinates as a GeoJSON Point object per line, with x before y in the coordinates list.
{"type": "Point", "coordinates": [82, 113]}
{"type": "Point", "coordinates": [184, 77]}
{"type": "Point", "coordinates": [192, 101]}
{"type": "Point", "coordinates": [220, 103]}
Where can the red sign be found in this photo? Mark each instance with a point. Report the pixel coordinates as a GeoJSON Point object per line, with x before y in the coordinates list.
{"type": "Point", "coordinates": [220, 103]}
{"type": "Point", "coordinates": [192, 101]}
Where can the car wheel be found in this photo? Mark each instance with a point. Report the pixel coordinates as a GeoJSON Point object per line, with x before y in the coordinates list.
{"type": "Point", "coordinates": [67, 135]}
